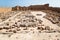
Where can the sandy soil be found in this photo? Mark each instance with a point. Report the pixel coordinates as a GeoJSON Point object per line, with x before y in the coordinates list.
{"type": "Point", "coordinates": [4, 10]}
{"type": "Point", "coordinates": [30, 36]}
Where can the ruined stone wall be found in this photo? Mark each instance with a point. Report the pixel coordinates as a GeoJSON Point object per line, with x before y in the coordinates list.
{"type": "Point", "coordinates": [32, 7]}
{"type": "Point", "coordinates": [35, 8]}
{"type": "Point", "coordinates": [55, 9]}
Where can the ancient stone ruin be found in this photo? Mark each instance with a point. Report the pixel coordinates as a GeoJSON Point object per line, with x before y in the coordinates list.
{"type": "Point", "coordinates": [36, 8]}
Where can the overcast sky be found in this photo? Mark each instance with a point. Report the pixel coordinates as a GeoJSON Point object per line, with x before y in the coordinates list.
{"type": "Point", "coordinates": [10, 3]}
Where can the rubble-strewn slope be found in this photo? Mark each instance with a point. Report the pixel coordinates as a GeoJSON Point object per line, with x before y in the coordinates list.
{"type": "Point", "coordinates": [25, 21]}
{"type": "Point", "coordinates": [29, 25]}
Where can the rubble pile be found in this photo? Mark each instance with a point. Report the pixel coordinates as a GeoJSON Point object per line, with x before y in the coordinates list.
{"type": "Point", "coordinates": [24, 21]}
